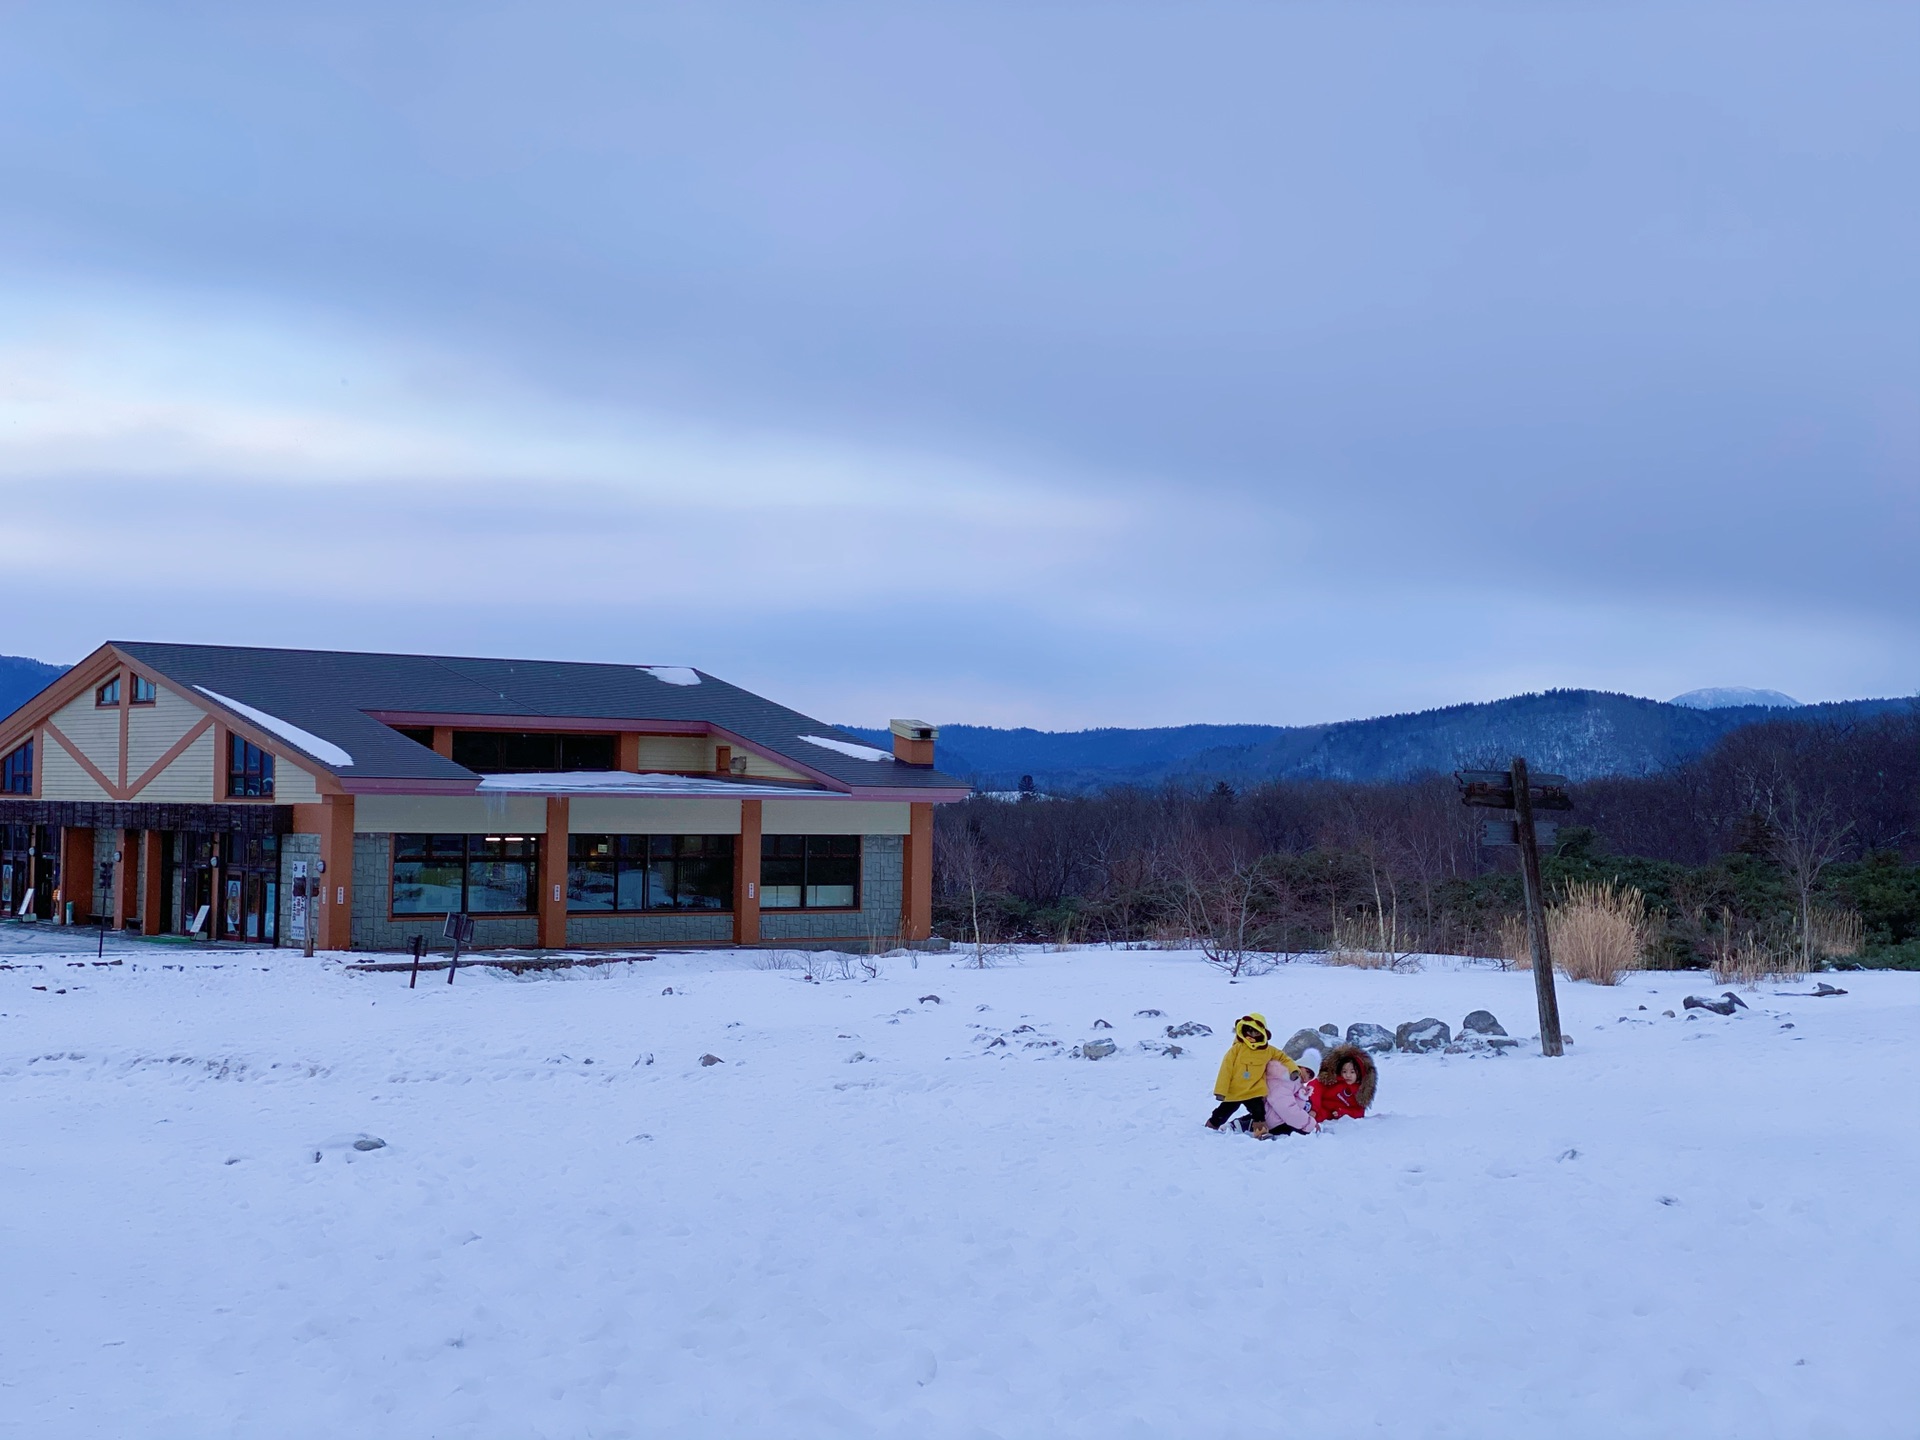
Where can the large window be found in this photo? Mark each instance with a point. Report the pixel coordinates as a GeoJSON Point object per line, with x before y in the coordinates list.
{"type": "Point", "coordinates": [478, 874]}
{"type": "Point", "coordinates": [249, 770]}
{"type": "Point", "coordinates": [16, 771]}
{"type": "Point", "coordinates": [649, 872]}
{"type": "Point", "coordinates": [810, 872]}
{"type": "Point", "coordinates": [521, 752]}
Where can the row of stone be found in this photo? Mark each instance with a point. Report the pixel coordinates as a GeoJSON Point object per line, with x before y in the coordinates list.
{"type": "Point", "coordinates": [1478, 1031]}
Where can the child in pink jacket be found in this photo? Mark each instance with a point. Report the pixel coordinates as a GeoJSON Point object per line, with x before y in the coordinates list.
{"type": "Point", "coordinates": [1289, 1101]}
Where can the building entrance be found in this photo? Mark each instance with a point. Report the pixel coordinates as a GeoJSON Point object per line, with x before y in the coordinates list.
{"type": "Point", "coordinates": [237, 877]}
{"type": "Point", "coordinates": [29, 866]}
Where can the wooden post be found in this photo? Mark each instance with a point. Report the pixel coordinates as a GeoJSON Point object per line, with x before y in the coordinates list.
{"type": "Point", "coordinates": [746, 876]}
{"type": "Point", "coordinates": [1543, 991]}
{"type": "Point", "coordinates": [152, 902]}
{"type": "Point", "coordinates": [332, 820]}
{"type": "Point", "coordinates": [916, 874]}
{"type": "Point", "coordinates": [552, 910]}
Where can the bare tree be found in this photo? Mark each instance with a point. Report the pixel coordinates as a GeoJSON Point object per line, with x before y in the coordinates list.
{"type": "Point", "coordinates": [1804, 837]}
{"type": "Point", "coordinates": [1220, 888]}
{"type": "Point", "coordinates": [969, 869]}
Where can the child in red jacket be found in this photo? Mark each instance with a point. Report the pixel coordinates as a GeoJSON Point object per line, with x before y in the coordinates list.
{"type": "Point", "coordinates": [1345, 1086]}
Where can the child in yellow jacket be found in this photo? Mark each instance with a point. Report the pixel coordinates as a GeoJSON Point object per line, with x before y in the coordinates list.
{"type": "Point", "coordinates": [1243, 1073]}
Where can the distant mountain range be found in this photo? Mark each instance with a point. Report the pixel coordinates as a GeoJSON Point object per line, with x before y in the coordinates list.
{"type": "Point", "coordinates": [1578, 733]}
{"type": "Point", "coordinates": [21, 679]}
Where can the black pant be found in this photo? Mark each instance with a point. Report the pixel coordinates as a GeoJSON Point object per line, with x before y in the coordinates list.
{"type": "Point", "coordinates": [1223, 1112]}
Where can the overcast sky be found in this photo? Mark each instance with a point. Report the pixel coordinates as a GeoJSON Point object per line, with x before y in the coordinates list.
{"type": "Point", "coordinates": [1045, 364]}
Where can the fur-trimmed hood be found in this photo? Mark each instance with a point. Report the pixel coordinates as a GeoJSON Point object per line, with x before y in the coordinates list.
{"type": "Point", "coordinates": [1369, 1074]}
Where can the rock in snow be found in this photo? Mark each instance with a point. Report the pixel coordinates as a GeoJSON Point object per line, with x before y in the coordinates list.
{"type": "Point", "coordinates": [1482, 1022]}
{"type": "Point", "coordinates": [711, 1060]}
{"type": "Point", "coordinates": [369, 1142]}
{"type": "Point", "coordinates": [1192, 1027]}
{"type": "Point", "coordinates": [1303, 1041]}
{"type": "Point", "coordinates": [1725, 1005]}
{"type": "Point", "coordinates": [1420, 1036]}
{"type": "Point", "coordinates": [1376, 1039]}
{"type": "Point", "coordinates": [1098, 1049]}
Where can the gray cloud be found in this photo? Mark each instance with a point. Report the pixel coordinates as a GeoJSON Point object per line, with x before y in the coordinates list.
{"type": "Point", "coordinates": [1327, 358]}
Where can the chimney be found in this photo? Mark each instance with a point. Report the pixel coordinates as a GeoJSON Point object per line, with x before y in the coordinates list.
{"type": "Point", "coordinates": [913, 741]}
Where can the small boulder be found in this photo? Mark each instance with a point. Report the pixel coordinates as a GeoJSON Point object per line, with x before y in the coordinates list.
{"type": "Point", "coordinates": [1374, 1039]}
{"type": "Point", "coordinates": [929, 999]}
{"type": "Point", "coordinates": [1191, 1028]}
{"type": "Point", "coordinates": [1098, 1049]}
{"type": "Point", "coordinates": [1824, 990]}
{"type": "Point", "coordinates": [1729, 995]}
{"type": "Point", "coordinates": [711, 1060]}
{"type": "Point", "coordinates": [1305, 1040]}
{"type": "Point", "coordinates": [369, 1142]}
{"type": "Point", "coordinates": [1148, 1014]}
{"type": "Point", "coordinates": [1419, 1036]}
{"type": "Point", "coordinates": [1718, 1007]}
{"type": "Point", "coordinates": [1332, 1032]}
{"type": "Point", "coordinates": [1482, 1022]}
{"type": "Point", "coordinates": [1101, 1025]}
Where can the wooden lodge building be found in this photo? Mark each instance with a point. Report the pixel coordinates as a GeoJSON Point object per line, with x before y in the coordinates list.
{"type": "Point", "coordinates": [557, 804]}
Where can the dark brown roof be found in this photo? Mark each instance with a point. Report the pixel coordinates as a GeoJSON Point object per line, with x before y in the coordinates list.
{"type": "Point", "coordinates": [334, 694]}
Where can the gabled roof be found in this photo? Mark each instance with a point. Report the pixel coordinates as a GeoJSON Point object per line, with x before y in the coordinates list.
{"type": "Point", "coordinates": [334, 696]}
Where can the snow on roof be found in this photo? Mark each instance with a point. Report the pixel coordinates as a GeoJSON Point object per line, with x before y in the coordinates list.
{"type": "Point", "coordinates": [322, 750]}
{"type": "Point", "coordinates": [673, 674]}
{"type": "Point", "coordinates": [847, 747]}
{"type": "Point", "coordinates": [626, 782]}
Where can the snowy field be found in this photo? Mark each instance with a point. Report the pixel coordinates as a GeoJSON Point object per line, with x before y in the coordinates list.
{"type": "Point", "coordinates": [870, 1220]}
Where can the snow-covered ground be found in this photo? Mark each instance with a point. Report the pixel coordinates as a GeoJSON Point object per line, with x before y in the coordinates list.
{"type": "Point", "coordinates": [870, 1221]}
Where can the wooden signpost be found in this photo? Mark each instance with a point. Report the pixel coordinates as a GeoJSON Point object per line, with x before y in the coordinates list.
{"type": "Point", "coordinates": [1522, 793]}
{"type": "Point", "coordinates": [460, 931]}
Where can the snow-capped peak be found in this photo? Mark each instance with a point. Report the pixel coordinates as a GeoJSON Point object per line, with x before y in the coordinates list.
{"type": "Point", "coordinates": [1725, 697]}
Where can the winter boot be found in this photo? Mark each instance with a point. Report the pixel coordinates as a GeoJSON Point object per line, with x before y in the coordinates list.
{"type": "Point", "coordinates": [1260, 1130]}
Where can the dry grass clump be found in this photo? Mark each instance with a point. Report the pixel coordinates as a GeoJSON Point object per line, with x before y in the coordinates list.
{"type": "Point", "coordinates": [1835, 934]}
{"type": "Point", "coordinates": [1599, 932]}
{"type": "Point", "coordinates": [1753, 957]}
{"type": "Point", "coordinates": [1516, 946]}
{"type": "Point", "coordinates": [1350, 948]}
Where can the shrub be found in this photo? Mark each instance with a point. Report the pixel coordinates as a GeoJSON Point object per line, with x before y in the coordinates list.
{"type": "Point", "coordinates": [1599, 931]}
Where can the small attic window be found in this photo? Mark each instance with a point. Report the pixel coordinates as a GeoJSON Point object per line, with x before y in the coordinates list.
{"type": "Point", "coordinates": [143, 691]}
{"type": "Point", "coordinates": [108, 694]}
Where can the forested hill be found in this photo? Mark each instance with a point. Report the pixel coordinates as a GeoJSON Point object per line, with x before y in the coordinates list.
{"type": "Point", "coordinates": [1580, 733]}
{"type": "Point", "coordinates": [21, 679]}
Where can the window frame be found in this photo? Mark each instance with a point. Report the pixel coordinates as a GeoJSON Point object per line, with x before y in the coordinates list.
{"type": "Point", "coordinates": [15, 765]}
{"type": "Point", "coordinates": [437, 851]}
{"type": "Point", "coordinates": [805, 860]}
{"type": "Point", "coordinates": [107, 696]}
{"type": "Point", "coordinates": [251, 766]}
{"type": "Point", "coordinates": [622, 856]}
{"type": "Point", "coordinates": [142, 691]}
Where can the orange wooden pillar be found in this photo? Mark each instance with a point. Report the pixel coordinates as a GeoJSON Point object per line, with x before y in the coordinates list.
{"type": "Point", "coordinates": [152, 902]}
{"type": "Point", "coordinates": [332, 915]}
{"type": "Point", "coordinates": [443, 741]}
{"type": "Point", "coordinates": [76, 874]}
{"type": "Point", "coordinates": [746, 876]}
{"type": "Point", "coordinates": [552, 908]}
{"type": "Point", "coordinates": [916, 874]}
{"type": "Point", "coordinates": [126, 868]}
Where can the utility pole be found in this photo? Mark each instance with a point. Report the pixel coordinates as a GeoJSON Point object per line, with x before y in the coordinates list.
{"type": "Point", "coordinates": [1518, 791]}
{"type": "Point", "coordinates": [1543, 991]}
